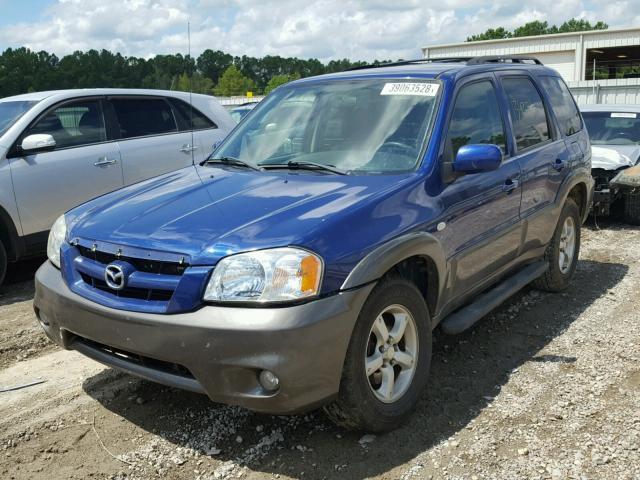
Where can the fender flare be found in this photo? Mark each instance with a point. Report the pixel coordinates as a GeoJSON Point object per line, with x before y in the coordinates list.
{"type": "Point", "coordinates": [573, 179]}
{"type": "Point", "coordinates": [379, 261]}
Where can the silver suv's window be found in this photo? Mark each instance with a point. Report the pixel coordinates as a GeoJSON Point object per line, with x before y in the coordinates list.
{"type": "Point", "coordinates": [73, 124]}
{"type": "Point", "coordinates": [369, 126]}
{"type": "Point", "coordinates": [139, 117]}
{"type": "Point", "coordinates": [11, 111]}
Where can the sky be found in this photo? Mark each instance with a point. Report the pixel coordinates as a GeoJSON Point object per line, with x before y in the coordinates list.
{"type": "Point", "coordinates": [324, 29]}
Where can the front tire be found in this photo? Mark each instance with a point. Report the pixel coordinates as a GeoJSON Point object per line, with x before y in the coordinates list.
{"type": "Point", "coordinates": [563, 250]}
{"type": "Point", "coordinates": [388, 359]}
{"type": "Point", "coordinates": [3, 262]}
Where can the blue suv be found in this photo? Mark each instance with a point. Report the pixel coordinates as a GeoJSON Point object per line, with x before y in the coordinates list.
{"type": "Point", "coordinates": [306, 262]}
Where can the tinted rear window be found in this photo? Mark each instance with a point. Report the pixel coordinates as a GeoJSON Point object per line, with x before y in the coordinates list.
{"type": "Point", "coordinates": [563, 105]}
{"type": "Point", "coordinates": [144, 116]}
{"type": "Point", "coordinates": [527, 112]}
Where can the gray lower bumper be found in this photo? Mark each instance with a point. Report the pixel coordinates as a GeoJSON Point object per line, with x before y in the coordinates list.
{"type": "Point", "coordinates": [219, 351]}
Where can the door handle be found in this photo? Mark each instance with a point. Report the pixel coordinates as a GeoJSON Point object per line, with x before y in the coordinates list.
{"type": "Point", "coordinates": [105, 161]}
{"type": "Point", "coordinates": [559, 164]}
{"type": "Point", "coordinates": [510, 185]}
{"type": "Point", "coordinates": [186, 148]}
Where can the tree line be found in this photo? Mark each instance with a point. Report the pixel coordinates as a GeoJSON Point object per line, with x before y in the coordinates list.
{"type": "Point", "coordinates": [538, 28]}
{"type": "Point", "coordinates": [23, 70]}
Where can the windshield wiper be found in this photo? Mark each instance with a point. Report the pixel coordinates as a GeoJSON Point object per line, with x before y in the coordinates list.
{"type": "Point", "coordinates": [305, 166]}
{"type": "Point", "coordinates": [230, 161]}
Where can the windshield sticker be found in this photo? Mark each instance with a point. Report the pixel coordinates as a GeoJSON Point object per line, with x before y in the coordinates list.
{"type": "Point", "coordinates": [623, 115]}
{"type": "Point", "coordinates": [406, 88]}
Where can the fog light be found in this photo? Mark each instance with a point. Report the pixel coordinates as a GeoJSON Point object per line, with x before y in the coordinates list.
{"type": "Point", "coordinates": [268, 380]}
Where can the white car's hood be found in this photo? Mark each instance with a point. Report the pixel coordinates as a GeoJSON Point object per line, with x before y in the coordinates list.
{"type": "Point", "coordinates": [614, 157]}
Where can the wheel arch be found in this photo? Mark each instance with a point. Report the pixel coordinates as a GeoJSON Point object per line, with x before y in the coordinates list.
{"type": "Point", "coordinates": [9, 236]}
{"type": "Point", "coordinates": [579, 194]}
{"type": "Point", "coordinates": [579, 186]}
{"type": "Point", "coordinates": [418, 257]}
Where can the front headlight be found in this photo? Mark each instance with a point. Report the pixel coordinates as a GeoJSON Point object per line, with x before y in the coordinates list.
{"type": "Point", "coordinates": [57, 236]}
{"type": "Point", "coordinates": [275, 275]}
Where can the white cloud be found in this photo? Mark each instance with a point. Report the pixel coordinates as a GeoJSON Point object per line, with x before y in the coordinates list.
{"type": "Point", "coordinates": [326, 29]}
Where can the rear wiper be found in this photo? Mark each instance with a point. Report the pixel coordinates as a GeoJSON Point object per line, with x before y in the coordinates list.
{"type": "Point", "coordinates": [305, 166]}
{"type": "Point", "coordinates": [230, 161]}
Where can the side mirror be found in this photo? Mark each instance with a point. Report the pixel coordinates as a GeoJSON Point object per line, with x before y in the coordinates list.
{"type": "Point", "coordinates": [37, 142]}
{"type": "Point", "coordinates": [477, 158]}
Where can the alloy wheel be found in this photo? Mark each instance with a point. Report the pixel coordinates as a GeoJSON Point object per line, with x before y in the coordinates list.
{"type": "Point", "coordinates": [392, 353]}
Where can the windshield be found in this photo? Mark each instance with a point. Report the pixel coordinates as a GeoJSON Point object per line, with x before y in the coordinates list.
{"type": "Point", "coordinates": [369, 126]}
{"type": "Point", "coordinates": [12, 111]}
{"type": "Point", "coordinates": [613, 128]}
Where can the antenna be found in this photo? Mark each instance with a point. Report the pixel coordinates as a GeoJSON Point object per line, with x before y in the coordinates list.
{"type": "Point", "coordinates": [192, 146]}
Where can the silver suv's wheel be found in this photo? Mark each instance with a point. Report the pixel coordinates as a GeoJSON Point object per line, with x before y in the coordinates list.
{"type": "Point", "coordinates": [3, 262]}
{"type": "Point", "coordinates": [388, 359]}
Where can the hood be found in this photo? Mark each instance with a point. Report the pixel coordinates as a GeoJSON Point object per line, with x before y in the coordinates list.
{"type": "Point", "coordinates": [613, 157]}
{"type": "Point", "coordinates": [209, 212]}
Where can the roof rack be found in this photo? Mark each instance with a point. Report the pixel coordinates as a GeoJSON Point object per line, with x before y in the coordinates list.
{"type": "Point", "coordinates": [503, 59]}
{"type": "Point", "coordinates": [465, 60]}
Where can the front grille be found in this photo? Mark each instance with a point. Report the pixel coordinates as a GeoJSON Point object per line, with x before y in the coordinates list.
{"type": "Point", "coordinates": [134, 358]}
{"type": "Point", "coordinates": [142, 265]}
{"type": "Point", "coordinates": [158, 287]}
{"type": "Point", "coordinates": [129, 292]}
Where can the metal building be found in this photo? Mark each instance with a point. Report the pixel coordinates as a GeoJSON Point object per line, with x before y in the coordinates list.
{"type": "Point", "coordinates": [600, 66]}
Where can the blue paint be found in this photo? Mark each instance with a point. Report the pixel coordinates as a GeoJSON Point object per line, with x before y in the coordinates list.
{"type": "Point", "coordinates": [199, 215]}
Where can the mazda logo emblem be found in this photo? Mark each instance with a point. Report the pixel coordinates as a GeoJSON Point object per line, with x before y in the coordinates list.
{"type": "Point", "coordinates": [114, 276]}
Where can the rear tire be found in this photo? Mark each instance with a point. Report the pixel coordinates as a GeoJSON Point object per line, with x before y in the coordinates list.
{"type": "Point", "coordinates": [382, 380]}
{"type": "Point", "coordinates": [3, 262]}
{"type": "Point", "coordinates": [563, 251]}
{"type": "Point", "coordinates": [632, 207]}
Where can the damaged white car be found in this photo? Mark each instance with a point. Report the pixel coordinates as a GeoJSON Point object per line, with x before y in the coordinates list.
{"type": "Point", "coordinates": [615, 141]}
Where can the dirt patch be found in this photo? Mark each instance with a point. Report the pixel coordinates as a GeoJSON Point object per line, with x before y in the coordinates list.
{"type": "Point", "coordinates": [548, 386]}
{"type": "Point", "coordinates": [20, 335]}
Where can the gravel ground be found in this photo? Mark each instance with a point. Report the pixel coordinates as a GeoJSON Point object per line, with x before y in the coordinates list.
{"type": "Point", "coordinates": [545, 387]}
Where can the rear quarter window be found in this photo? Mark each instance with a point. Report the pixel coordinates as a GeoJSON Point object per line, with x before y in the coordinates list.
{"type": "Point", "coordinates": [563, 105]}
{"type": "Point", "coordinates": [528, 114]}
{"type": "Point", "coordinates": [186, 115]}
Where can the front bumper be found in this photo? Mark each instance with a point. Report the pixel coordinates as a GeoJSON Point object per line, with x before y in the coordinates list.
{"type": "Point", "coordinates": [215, 350]}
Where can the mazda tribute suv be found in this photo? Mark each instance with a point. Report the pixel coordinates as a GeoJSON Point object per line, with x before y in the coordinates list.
{"type": "Point", "coordinates": [306, 261]}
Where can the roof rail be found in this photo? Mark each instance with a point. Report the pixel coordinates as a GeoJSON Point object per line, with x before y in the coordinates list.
{"type": "Point", "coordinates": [465, 60]}
{"type": "Point", "coordinates": [415, 61]}
{"type": "Point", "coordinates": [503, 59]}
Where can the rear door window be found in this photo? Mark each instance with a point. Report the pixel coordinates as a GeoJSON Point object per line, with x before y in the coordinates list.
{"type": "Point", "coordinates": [563, 105]}
{"type": "Point", "coordinates": [140, 117]}
{"type": "Point", "coordinates": [529, 117]}
{"type": "Point", "coordinates": [72, 124]}
{"type": "Point", "coordinates": [476, 118]}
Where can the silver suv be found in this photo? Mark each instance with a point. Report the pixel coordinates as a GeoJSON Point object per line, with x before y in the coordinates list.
{"type": "Point", "coordinates": [59, 149]}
